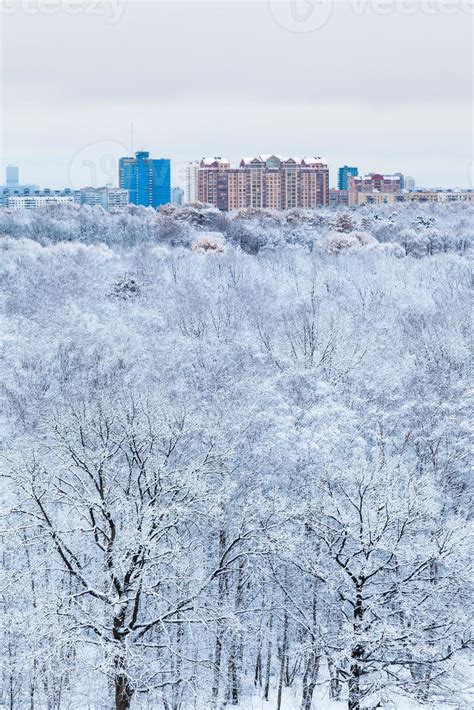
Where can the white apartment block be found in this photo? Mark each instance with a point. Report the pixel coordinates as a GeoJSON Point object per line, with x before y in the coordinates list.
{"type": "Point", "coordinates": [107, 197]}
{"type": "Point", "coordinates": [34, 202]}
{"type": "Point", "coordinates": [440, 196]}
{"type": "Point", "coordinates": [116, 198]}
{"type": "Point", "coordinates": [191, 182]}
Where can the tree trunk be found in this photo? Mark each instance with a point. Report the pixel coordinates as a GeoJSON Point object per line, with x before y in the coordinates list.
{"type": "Point", "coordinates": [123, 688]}
{"type": "Point", "coordinates": [335, 683]}
{"type": "Point", "coordinates": [356, 655]}
{"type": "Point", "coordinates": [235, 651]}
{"type": "Point", "coordinates": [354, 688]}
{"type": "Point", "coordinates": [258, 670]}
{"type": "Point", "coordinates": [309, 680]}
{"type": "Point", "coordinates": [217, 668]}
{"type": "Point", "coordinates": [221, 593]}
{"type": "Point", "coordinates": [176, 689]}
{"type": "Point", "coordinates": [268, 666]}
{"type": "Point", "coordinates": [232, 677]}
{"type": "Point", "coordinates": [284, 644]}
{"type": "Point", "coordinates": [34, 606]}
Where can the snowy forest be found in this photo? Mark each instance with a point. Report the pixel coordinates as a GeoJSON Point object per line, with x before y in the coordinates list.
{"type": "Point", "coordinates": [235, 457]}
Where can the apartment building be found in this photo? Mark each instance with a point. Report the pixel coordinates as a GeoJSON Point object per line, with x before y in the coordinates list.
{"type": "Point", "coordinates": [107, 197]}
{"type": "Point", "coordinates": [264, 182]}
{"type": "Point", "coordinates": [147, 179]}
{"type": "Point", "coordinates": [338, 197]}
{"type": "Point", "coordinates": [373, 183]}
{"type": "Point", "coordinates": [343, 176]}
{"type": "Point", "coordinates": [191, 173]}
{"type": "Point", "coordinates": [34, 202]}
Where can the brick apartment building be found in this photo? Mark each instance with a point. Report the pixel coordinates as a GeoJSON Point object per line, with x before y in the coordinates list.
{"type": "Point", "coordinates": [373, 183]}
{"type": "Point", "coordinates": [265, 181]}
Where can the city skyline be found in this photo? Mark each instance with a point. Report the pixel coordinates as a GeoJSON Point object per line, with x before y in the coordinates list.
{"type": "Point", "coordinates": [109, 175]}
{"type": "Point", "coordinates": [189, 185]}
{"type": "Point", "coordinates": [262, 182]}
{"type": "Point", "coordinates": [381, 110]}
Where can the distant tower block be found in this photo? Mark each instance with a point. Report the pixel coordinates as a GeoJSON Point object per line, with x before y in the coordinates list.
{"type": "Point", "coordinates": [13, 176]}
{"type": "Point", "coordinates": [343, 176]}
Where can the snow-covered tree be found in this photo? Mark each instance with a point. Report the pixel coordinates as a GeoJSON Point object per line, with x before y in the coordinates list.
{"type": "Point", "coordinates": [235, 477]}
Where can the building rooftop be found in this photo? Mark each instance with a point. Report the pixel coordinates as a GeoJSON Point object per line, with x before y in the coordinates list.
{"type": "Point", "coordinates": [212, 161]}
{"type": "Point", "coordinates": [276, 159]}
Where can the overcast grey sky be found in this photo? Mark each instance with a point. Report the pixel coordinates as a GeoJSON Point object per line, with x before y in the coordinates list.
{"type": "Point", "coordinates": [386, 86]}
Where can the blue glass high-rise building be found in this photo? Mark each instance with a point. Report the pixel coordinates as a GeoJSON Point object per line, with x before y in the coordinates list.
{"type": "Point", "coordinates": [343, 176]}
{"type": "Point", "coordinates": [148, 180]}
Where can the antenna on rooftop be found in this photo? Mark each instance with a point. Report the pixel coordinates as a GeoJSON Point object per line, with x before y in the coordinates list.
{"type": "Point", "coordinates": [131, 136]}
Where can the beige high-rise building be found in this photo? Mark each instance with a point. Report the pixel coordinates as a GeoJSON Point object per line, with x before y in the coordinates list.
{"type": "Point", "coordinates": [265, 182]}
